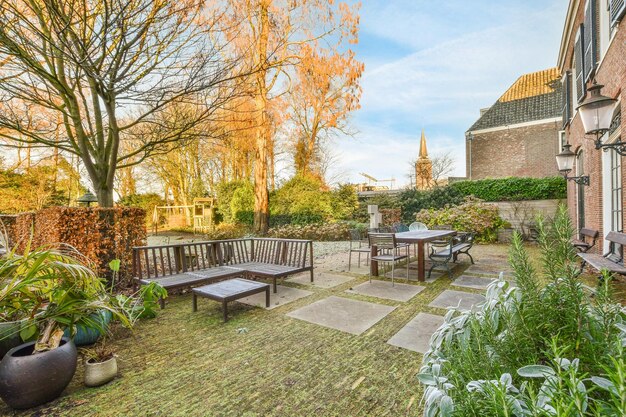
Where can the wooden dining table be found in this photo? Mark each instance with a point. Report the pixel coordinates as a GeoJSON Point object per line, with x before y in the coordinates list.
{"type": "Point", "coordinates": [420, 237]}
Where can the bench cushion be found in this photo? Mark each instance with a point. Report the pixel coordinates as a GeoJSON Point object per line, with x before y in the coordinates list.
{"type": "Point", "coordinates": [599, 262]}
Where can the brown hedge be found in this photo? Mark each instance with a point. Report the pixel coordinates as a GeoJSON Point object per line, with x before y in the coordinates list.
{"type": "Point", "coordinates": [100, 234]}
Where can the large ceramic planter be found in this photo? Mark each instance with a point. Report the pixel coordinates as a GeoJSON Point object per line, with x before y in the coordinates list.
{"type": "Point", "coordinates": [99, 373]}
{"type": "Point", "coordinates": [9, 336]}
{"type": "Point", "coordinates": [88, 335]}
{"type": "Point", "coordinates": [28, 380]}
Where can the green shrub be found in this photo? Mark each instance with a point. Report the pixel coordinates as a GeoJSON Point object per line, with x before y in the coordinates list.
{"type": "Point", "coordinates": [472, 215]}
{"type": "Point", "coordinates": [225, 193]}
{"type": "Point", "coordinates": [242, 205]}
{"type": "Point", "coordinates": [513, 188]}
{"type": "Point", "coordinates": [414, 201]}
{"type": "Point", "coordinates": [303, 199]}
{"type": "Point", "coordinates": [532, 350]}
{"type": "Point", "coordinates": [344, 202]}
{"type": "Point", "coordinates": [317, 232]}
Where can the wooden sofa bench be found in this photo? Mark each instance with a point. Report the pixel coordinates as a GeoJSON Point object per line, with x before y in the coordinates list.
{"type": "Point", "coordinates": [613, 260]}
{"type": "Point", "coordinates": [586, 240]}
{"type": "Point", "coordinates": [186, 265]}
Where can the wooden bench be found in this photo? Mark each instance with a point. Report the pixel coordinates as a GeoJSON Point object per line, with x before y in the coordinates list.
{"type": "Point", "coordinates": [186, 265]}
{"type": "Point", "coordinates": [445, 250]}
{"type": "Point", "coordinates": [613, 260]}
{"type": "Point", "coordinates": [582, 244]}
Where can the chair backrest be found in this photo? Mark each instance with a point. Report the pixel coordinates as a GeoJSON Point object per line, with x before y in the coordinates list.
{"type": "Point", "coordinates": [442, 246]}
{"type": "Point", "coordinates": [355, 235]}
{"type": "Point", "coordinates": [400, 227]}
{"type": "Point", "coordinates": [415, 226]}
{"type": "Point", "coordinates": [382, 240]}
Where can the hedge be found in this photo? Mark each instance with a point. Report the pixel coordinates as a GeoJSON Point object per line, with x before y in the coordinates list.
{"type": "Point", "coordinates": [100, 234]}
{"type": "Point", "coordinates": [513, 188]}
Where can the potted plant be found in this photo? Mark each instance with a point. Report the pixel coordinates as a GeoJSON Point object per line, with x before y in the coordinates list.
{"type": "Point", "coordinates": [100, 364]}
{"type": "Point", "coordinates": [54, 291]}
{"type": "Point", "coordinates": [101, 360]}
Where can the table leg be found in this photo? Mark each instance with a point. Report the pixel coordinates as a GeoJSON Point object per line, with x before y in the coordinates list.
{"type": "Point", "coordinates": [267, 297]}
{"type": "Point", "coordinates": [194, 305]}
{"type": "Point", "coordinates": [275, 286]}
{"type": "Point", "coordinates": [373, 264]}
{"type": "Point", "coordinates": [225, 310]}
{"type": "Point", "coordinates": [420, 262]}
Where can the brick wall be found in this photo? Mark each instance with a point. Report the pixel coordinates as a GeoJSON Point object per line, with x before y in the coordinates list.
{"type": "Point", "coordinates": [612, 74]}
{"type": "Point", "coordinates": [527, 151]}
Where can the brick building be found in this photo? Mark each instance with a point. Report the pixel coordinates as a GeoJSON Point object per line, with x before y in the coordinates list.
{"type": "Point", "coordinates": [593, 46]}
{"type": "Point", "coordinates": [518, 136]}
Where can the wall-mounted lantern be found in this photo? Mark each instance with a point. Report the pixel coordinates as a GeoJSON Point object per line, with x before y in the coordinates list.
{"type": "Point", "coordinates": [596, 113]}
{"type": "Point", "coordinates": [565, 162]}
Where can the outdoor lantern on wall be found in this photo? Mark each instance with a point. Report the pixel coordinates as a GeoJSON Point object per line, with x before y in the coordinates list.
{"type": "Point", "coordinates": [596, 113]}
{"type": "Point", "coordinates": [87, 198]}
{"type": "Point", "coordinates": [565, 162]}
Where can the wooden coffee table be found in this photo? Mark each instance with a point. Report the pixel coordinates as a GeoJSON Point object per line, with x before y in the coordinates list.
{"type": "Point", "coordinates": [230, 290]}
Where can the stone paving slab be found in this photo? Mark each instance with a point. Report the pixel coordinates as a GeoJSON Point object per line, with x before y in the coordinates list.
{"type": "Point", "coordinates": [488, 270]}
{"type": "Point", "coordinates": [416, 334]}
{"type": "Point", "coordinates": [467, 281]}
{"type": "Point", "coordinates": [322, 279]}
{"type": "Point", "coordinates": [451, 298]}
{"type": "Point", "coordinates": [384, 289]}
{"type": "Point", "coordinates": [427, 265]}
{"type": "Point", "coordinates": [285, 295]}
{"type": "Point", "coordinates": [401, 273]}
{"type": "Point", "coordinates": [344, 314]}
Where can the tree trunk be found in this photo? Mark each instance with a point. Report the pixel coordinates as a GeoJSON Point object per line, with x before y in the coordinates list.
{"type": "Point", "coordinates": [263, 133]}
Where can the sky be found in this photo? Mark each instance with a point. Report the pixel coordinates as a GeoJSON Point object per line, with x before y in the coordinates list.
{"type": "Point", "coordinates": [433, 65]}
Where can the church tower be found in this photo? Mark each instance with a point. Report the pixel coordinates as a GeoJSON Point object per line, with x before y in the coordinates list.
{"type": "Point", "coordinates": [423, 167]}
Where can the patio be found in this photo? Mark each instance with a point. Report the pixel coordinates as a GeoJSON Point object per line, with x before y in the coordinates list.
{"type": "Point", "coordinates": [265, 362]}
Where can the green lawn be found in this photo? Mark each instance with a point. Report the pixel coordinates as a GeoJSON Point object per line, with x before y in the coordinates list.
{"type": "Point", "coordinates": [260, 363]}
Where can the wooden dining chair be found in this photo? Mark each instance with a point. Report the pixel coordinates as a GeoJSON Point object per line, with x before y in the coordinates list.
{"type": "Point", "coordinates": [387, 242]}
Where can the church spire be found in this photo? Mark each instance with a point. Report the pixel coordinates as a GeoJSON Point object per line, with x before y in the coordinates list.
{"type": "Point", "coordinates": [423, 150]}
{"type": "Point", "coordinates": [423, 167]}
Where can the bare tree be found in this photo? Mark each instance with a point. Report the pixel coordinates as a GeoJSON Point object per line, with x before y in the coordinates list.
{"type": "Point", "coordinates": [101, 70]}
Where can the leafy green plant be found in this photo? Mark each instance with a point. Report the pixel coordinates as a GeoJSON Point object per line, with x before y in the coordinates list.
{"type": "Point", "coordinates": [54, 291]}
{"type": "Point", "coordinates": [513, 188]}
{"type": "Point", "coordinates": [472, 216]}
{"type": "Point", "coordinates": [509, 355]}
{"type": "Point", "coordinates": [318, 232]}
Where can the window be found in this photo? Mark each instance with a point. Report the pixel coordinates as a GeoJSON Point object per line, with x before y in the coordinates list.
{"type": "Point", "coordinates": [562, 140]}
{"type": "Point", "coordinates": [590, 40]}
{"type": "Point", "coordinates": [567, 98]}
{"type": "Point", "coordinates": [579, 68]}
{"type": "Point", "coordinates": [616, 11]}
{"type": "Point", "coordinates": [616, 192]}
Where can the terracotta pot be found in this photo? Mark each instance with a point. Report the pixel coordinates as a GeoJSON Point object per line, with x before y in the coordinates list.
{"type": "Point", "coordinates": [99, 373]}
{"type": "Point", "coordinates": [28, 380]}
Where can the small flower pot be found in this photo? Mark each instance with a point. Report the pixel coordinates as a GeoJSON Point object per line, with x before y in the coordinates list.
{"type": "Point", "coordinates": [99, 373]}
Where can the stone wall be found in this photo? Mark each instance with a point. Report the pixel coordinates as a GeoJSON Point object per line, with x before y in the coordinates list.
{"type": "Point", "coordinates": [526, 151]}
{"type": "Point", "coordinates": [522, 214]}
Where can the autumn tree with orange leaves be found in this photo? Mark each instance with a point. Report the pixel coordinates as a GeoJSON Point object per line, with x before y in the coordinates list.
{"type": "Point", "coordinates": [277, 38]}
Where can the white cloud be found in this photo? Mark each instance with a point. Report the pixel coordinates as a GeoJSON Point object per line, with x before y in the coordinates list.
{"type": "Point", "coordinates": [463, 56]}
